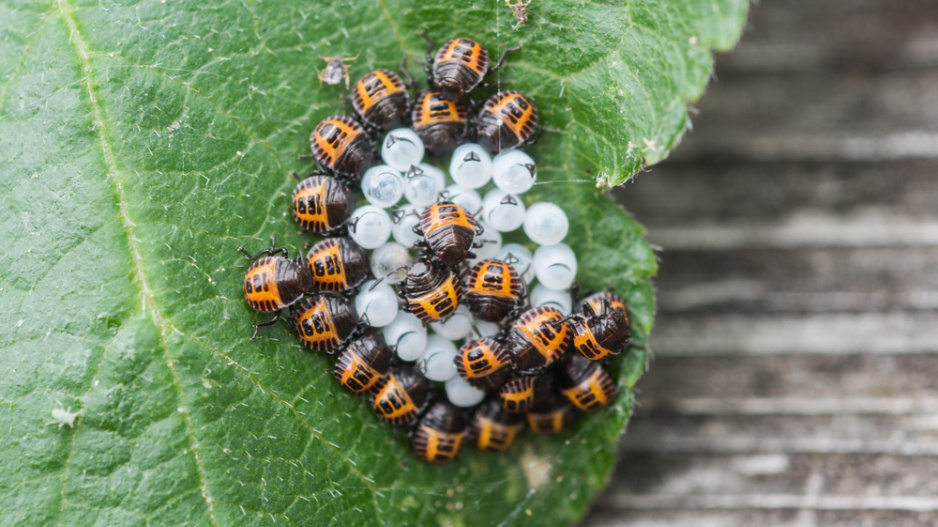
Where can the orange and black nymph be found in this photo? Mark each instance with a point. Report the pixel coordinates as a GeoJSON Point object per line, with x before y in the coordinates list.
{"type": "Point", "coordinates": [551, 416]}
{"type": "Point", "coordinates": [380, 98]}
{"type": "Point", "coordinates": [431, 290]}
{"type": "Point", "coordinates": [484, 363]}
{"type": "Point", "coordinates": [325, 322]}
{"type": "Point", "coordinates": [442, 125]}
{"type": "Point", "coordinates": [359, 368]}
{"type": "Point", "coordinates": [400, 396]}
{"type": "Point", "coordinates": [441, 434]}
{"type": "Point", "coordinates": [603, 334]}
{"type": "Point", "coordinates": [341, 145]}
{"type": "Point", "coordinates": [322, 204]}
{"type": "Point", "coordinates": [459, 66]}
{"type": "Point", "coordinates": [539, 337]}
{"type": "Point", "coordinates": [585, 383]}
{"type": "Point", "coordinates": [493, 290]}
{"type": "Point", "coordinates": [274, 282]}
{"type": "Point", "coordinates": [493, 428]}
{"type": "Point", "coordinates": [449, 231]}
{"type": "Point", "coordinates": [337, 264]}
{"type": "Point", "coordinates": [507, 120]}
{"type": "Point", "coordinates": [521, 393]}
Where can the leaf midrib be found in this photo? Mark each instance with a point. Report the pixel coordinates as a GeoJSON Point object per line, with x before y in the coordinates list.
{"type": "Point", "coordinates": [148, 304]}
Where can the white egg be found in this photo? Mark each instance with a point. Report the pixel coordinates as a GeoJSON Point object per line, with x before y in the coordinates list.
{"type": "Point", "coordinates": [514, 171]}
{"type": "Point", "coordinates": [462, 394]}
{"type": "Point", "coordinates": [555, 266]}
{"type": "Point", "coordinates": [438, 362]}
{"type": "Point", "coordinates": [423, 184]}
{"type": "Point", "coordinates": [455, 327]}
{"type": "Point", "coordinates": [546, 223]}
{"type": "Point", "coordinates": [471, 166]}
{"type": "Point", "coordinates": [370, 226]}
{"type": "Point", "coordinates": [520, 258]}
{"type": "Point", "coordinates": [407, 335]}
{"type": "Point", "coordinates": [390, 262]}
{"type": "Point", "coordinates": [382, 186]}
{"type": "Point", "coordinates": [401, 149]}
{"type": "Point", "coordinates": [542, 296]}
{"type": "Point", "coordinates": [377, 306]}
{"type": "Point", "coordinates": [504, 212]}
{"type": "Point", "coordinates": [404, 219]}
{"type": "Point", "coordinates": [484, 329]}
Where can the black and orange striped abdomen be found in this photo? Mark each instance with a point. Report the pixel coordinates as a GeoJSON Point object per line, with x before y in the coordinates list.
{"type": "Point", "coordinates": [585, 383]}
{"type": "Point", "coordinates": [552, 417]}
{"type": "Point", "coordinates": [400, 396]}
{"type": "Point", "coordinates": [360, 367]}
{"type": "Point", "coordinates": [449, 231]}
{"type": "Point", "coordinates": [585, 342]}
{"type": "Point", "coordinates": [538, 338]}
{"type": "Point", "coordinates": [322, 204]}
{"type": "Point", "coordinates": [441, 124]}
{"type": "Point", "coordinates": [596, 300]}
{"type": "Point", "coordinates": [337, 264]}
{"type": "Point", "coordinates": [493, 289]}
{"type": "Point", "coordinates": [324, 323]}
{"type": "Point", "coordinates": [273, 283]}
{"type": "Point", "coordinates": [521, 393]}
{"type": "Point", "coordinates": [439, 303]}
{"type": "Point", "coordinates": [483, 363]}
{"type": "Point", "coordinates": [380, 98]}
{"type": "Point", "coordinates": [507, 120]}
{"type": "Point", "coordinates": [459, 66]}
{"type": "Point", "coordinates": [341, 145]}
{"type": "Point", "coordinates": [493, 428]}
{"type": "Point", "coordinates": [441, 433]}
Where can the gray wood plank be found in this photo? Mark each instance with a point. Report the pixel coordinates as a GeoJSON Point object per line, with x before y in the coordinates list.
{"type": "Point", "coordinates": [805, 280]}
{"type": "Point", "coordinates": [742, 193]}
{"type": "Point", "coordinates": [832, 35]}
{"type": "Point", "coordinates": [787, 377]}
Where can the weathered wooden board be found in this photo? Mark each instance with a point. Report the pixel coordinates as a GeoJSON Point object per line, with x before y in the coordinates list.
{"type": "Point", "coordinates": [795, 372]}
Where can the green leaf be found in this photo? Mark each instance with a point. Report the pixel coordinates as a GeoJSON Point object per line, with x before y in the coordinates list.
{"type": "Point", "coordinates": [143, 142]}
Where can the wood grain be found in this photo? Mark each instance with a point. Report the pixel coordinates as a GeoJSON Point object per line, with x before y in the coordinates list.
{"type": "Point", "coordinates": [795, 372]}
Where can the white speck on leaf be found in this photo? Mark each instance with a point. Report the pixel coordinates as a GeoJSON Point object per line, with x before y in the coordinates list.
{"type": "Point", "coordinates": [536, 468]}
{"type": "Point", "coordinates": [64, 416]}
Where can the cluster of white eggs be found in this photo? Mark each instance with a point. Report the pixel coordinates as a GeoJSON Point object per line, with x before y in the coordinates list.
{"type": "Point", "coordinates": [405, 177]}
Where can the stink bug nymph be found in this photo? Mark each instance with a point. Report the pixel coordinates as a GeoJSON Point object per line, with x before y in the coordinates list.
{"type": "Point", "coordinates": [431, 290]}
{"type": "Point", "coordinates": [448, 231]}
{"type": "Point", "coordinates": [538, 338]}
{"type": "Point", "coordinates": [585, 383]}
{"type": "Point", "coordinates": [359, 368]}
{"type": "Point", "coordinates": [341, 145]}
{"type": "Point", "coordinates": [337, 264]}
{"type": "Point", "coordinates": [459, 66]}
{"type": "Point", "coordinates": [551, 416]}
{"type": "Point", "coordinates": [494, 290]}
{"type": "Point", "coordinates": [523, 392]}
{"type": "Point", "coordinates": [322, 204]}
{"type": "Point", "coordinates": [441, 124]}
{"type": "Point", "coordinates": [325, 322]}
{"type": "Point", "coordinates": [507, 120]}
{"type": "Point", "coordinates": [597, 336]}
{"type": "Point", "coordinates": [274, 282]}
{"type": "Point", "coordinates": [484, 363]}
{"type": "Point", "coordinates": [441, 433]}
{"type": "Point", "coordinates": [380, 98]}
{"type": "Point", "coordinates": [400, 396]}
{"type": "Point", "coordinates": [493, 428]}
